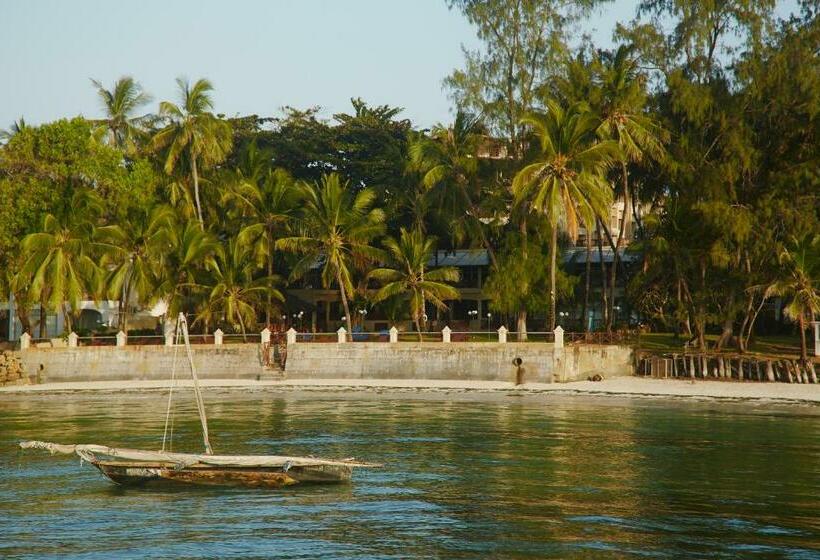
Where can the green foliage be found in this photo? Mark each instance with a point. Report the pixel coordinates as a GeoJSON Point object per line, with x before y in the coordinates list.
{"type": "Point", "coordinates": [407, 278]}
{"type": "Point", "coordinates": [334, 230]}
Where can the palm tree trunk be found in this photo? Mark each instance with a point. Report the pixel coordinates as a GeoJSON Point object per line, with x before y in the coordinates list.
{"type": "Point", "coordinates": [195, 176]}
{"type": "Point", "coordinates": [604, 303]}
{"type": "Point", "coordinates": [521, 326]}
{"type": "Point", "coordinates": [484, 241]}
{"type": "Point", "coordinates": [616, 259]}
{"type": "Point", "coordinates": [804, 351]}
{"type": "Point", "coordinates": [344, 302]}
{"type": "Point", "coordinates": [43, 318]}
{"type": "Point", "coordinates": [588, 271]}
{"type": "Point", "coordinates": [67, 317]}
{"type": "Point", "coordinates": [270, 300]}
{"type": "Point", "coordinates": [418, 326]}
{"type": "Point", "coordinates": [553, 258]}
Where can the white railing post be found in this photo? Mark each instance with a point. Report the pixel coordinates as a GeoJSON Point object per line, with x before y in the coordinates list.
{"type": "Point", "coordinates": [559, 336]}
{"type": "Point", "coordinates": [445, 334]}
{"type": "Point", "coordinates": [73, 339]}
{"type": "Point", "coordinates": [816, 325]}
{"type": "Point", "coordinates": [394, 334]}
{"type": "Point", "coordinates": [502, 334]}
{"type": "Point", "coordinates": [291, 336]}
{"type": "Point", "coordinates": [122, 338]}
{"type": "Point", "coordinates": [218, 334]}
{"type": "Point", "coordinates": [341, 335]}
{"type": "Point", "coordinates": [265, 336]}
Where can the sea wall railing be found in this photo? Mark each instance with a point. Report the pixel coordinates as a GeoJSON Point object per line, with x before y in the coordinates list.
{"type": "Point", "coordinates": [341, 336]}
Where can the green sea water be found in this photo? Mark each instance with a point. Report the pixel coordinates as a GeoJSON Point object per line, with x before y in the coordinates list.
{"type": "Point", "coordinates": [465, 476]}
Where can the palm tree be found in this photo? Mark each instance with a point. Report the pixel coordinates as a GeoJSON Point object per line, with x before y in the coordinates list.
{"type": "Point", "coordinates": [268, 201]}
{"type": "Point", "coordinates": [335, 229]}
{"type": "Point", "coordinates": [801, 283]}
{"type": "Point", "coordinates": [193, 132]}
{"type": "Point", "coordinates": [120, 103]}
{"type": "Point", "coordinates": [449, 165]}
{"type": "Point", "coordinates": [566, 183]}
{"type": "Point", "coordinates": [132, 251]}
{"type": "Point", "coordinates": [406, 276]}
{"type": "Point", "coordinates": [16, 128]}
{"type": "Point", "coordinates": [187, 251]}
{"type": "Point", "coordinates": [232, 291]}
{"type": "Point", "coordinates": [623, 98]}
{"type": "Point", "coordinates": [60, 259]}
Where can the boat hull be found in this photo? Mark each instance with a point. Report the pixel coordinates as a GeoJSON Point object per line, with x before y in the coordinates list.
{"type": "Point", "coordinates": [128, 473]}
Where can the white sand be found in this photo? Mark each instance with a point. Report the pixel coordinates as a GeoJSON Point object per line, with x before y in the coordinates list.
{"type": "Point", "coordinates": [619, 386]}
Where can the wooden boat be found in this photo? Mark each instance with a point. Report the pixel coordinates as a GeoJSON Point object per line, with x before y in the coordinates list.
{"type": "Point", "coordinates": [138, 467]}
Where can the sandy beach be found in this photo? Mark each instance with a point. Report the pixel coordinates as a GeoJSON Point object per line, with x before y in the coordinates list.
{"type": "Point", "coordinates": [619, 386]}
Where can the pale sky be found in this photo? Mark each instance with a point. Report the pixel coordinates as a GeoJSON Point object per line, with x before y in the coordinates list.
{"type": "Point", "coordinates": [260, 55]}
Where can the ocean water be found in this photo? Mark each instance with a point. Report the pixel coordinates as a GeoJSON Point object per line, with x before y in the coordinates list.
{"type": "Point", "coordinates": [465, 476]}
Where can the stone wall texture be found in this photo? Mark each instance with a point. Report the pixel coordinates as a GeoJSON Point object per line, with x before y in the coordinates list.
{"type": "Point", "coordinates": [11, 370]}
{"type": "Point", "coordinates": [541, 363]}
{"type": "Point", "coordinates": [111, 363]}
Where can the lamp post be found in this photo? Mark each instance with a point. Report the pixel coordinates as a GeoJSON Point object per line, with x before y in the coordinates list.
{"type": "Point", "coordinates": [473, 314]}
{"type": "Point", "coordinates": [489, 318]}
{"type": "Point", "coordinates": [363, 314]}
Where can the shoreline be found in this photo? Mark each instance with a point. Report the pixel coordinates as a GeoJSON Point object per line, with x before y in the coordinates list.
{"type": "Point", "coordinates": [633, 387]}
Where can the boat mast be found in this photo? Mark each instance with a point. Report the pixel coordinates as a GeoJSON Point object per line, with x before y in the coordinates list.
{"type": "Point", "coordinates": [200, 405]}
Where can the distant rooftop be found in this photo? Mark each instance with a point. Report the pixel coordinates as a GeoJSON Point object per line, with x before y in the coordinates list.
{"type": "Point", "coordinates": [460, 258]}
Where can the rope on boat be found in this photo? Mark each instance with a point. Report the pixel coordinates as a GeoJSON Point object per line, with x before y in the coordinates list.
{"type": "Point", "coordinates": [171, 392]}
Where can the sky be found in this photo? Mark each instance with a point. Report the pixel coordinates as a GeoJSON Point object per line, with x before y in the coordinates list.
{"type": "Point", "coordinates": [260, 55]}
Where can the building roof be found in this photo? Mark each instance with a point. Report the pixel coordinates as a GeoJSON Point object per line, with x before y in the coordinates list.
{"type": "Point", "coordinates": [460, 258]}
{"type": "Point", "coordinates": [578, 255]}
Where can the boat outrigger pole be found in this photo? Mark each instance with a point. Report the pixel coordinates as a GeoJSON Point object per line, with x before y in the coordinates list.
{"type": "Point", "coordinates": [200, 404]}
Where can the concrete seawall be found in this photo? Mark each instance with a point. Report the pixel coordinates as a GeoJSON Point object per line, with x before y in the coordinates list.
{"type": "Point", "coordinates": [541, 363]}
{"type": "Point", "coordinates": [110, 363]}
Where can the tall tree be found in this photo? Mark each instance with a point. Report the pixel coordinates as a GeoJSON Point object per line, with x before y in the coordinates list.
{"type": "Point", "coordinates": [120, 105]}
{"type": "Point", "coordinates": [800, 283]}
{"type": "Point", "coordinates": [61, 257]}
{"type": "Point", "coordinates": [268, 200]}
{"type": "Point", "coordinates": [639, 137]}
{"type": "Point", "coordinates": [406, 277]}
{"type": "Point", "coordinates": [233, 289]}
{"type": "Point", "coordinates": [131, 251]}
{"type": "Point", "coordinates": [523, 42]}
{"type": "Point", "coordinates": [448, 162]}
{"type": "Point", "coordinates": [335, 230]}
{"type": "Point", "coordinates": [566, 184]}
{"type": "Point", "coordinates": [194, 132]}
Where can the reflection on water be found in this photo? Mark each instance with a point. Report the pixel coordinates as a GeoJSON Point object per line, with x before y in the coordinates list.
{"type": "Point", "coordinates": [499, 477]}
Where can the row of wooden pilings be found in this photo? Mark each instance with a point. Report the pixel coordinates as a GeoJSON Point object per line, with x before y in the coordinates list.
{"type": "Point", "coordinates": [727, 367]}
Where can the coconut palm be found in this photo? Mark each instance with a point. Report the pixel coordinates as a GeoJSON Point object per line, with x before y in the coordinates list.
{"type": "Point", "coordinates": [800, 283]}
{"type": "Point", "coordinates": [193, 133]}
{"type": "Point", "coordinates": [187, 251]}
{"type": "Point", "coordinates": [406, 276]}
{"type": "Point", "coordinates": [119, 104]}
{"type": "Point", "coordinates": [566, 183]}
{"type": "Point", "coordinates": [448, 163]}
{"type": "Point", "coordinates": [60, 260]}
{"type": "Point", "coordinates": [335, 228]}
{"type": "Point", "coordinates": [232, 292]}
{"type": "Point", "coordinates": [623, 98]}
{"type": "Point", "coordinates": [131, 253]}
{"type": "Point", "coordinates": [268, 202]}
{"type": "Point", "coordinates": [16, 128]}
